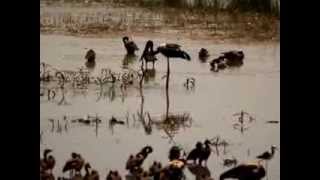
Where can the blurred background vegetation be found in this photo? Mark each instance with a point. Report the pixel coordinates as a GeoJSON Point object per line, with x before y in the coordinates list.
{"type": "Point", "coordinates": [270, 7]}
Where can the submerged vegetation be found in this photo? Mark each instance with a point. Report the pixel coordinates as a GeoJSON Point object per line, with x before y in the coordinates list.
{"type": "Point", "coordinates": [213, 19]}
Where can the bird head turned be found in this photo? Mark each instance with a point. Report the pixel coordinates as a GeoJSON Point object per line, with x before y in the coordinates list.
{"type": "Point", "coordinates": [87, 165]}
{"type": "Point", "coordinates": [125, 39]}
{"type": "Point", "coordinates": [46, 151]}
{"type": "Point", "coordinates": [207, 141]}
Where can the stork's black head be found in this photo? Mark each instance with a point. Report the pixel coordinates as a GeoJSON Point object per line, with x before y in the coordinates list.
{"type": "Point", "coordinates": [199, 145]}
{"type": "Point", "coordinates": [149, 44]}
{"type": "Point", "coordinates": [74, 155]}
{"type": "Point", "coordinates": [125, 39]}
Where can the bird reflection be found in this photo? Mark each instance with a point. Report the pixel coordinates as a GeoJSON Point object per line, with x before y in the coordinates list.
{"type": "Point", "coordinates": [128, 59]}
{"type": "Point", "coordinates": [200, 172]}
{"type": "Point", "coordinates": [149, 74]}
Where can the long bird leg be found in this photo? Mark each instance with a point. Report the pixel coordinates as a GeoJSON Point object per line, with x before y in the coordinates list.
{"type": "Point", "coordinates": [167, 87]}
{"type": "Point", "coordinates": [153, 64]}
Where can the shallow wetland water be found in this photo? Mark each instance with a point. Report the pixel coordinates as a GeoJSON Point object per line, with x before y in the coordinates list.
{"type": "Point", "coordinates": [254, 88]}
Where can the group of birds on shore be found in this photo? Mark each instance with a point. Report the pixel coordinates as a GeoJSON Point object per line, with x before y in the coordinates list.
{"type": "Point", "coordinates": [171, 50]}
{"type": "Point", "coordinates": [173, 170]}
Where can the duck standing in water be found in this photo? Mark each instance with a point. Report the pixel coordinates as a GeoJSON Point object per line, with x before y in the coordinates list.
{"type": "Point", "coordinates": [203, 54]}
{"type": "Point", "coordinates": [130, 46]}
{"type": "Point", "coordinates": [91, 59]}
{"type": "Point", "coordinates": [148, 54]}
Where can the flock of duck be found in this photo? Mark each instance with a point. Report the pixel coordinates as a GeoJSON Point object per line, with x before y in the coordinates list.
{"type": "Point", "coordinates": [195, 160]}
{"type": "Point", "coordinates": [173, 170]}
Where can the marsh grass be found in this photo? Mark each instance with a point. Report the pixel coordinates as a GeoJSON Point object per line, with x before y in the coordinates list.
{"type": "Point", "coordinates": [209, 22]}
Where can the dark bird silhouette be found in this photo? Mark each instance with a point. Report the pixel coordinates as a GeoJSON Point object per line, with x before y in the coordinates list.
{"type": "Point", "coordinates": [113, 175]}
{"type": "Point", "coordinates": [233, 58]}
{"type": "Point", "coordinates": [195, 154]}
{"type": "Point", "coordinates": [90, 56]}
{"type": "Point", "coordinates": [91, 59]}
{"type": "Point", "coordinates": [74, 164]}
{"type": "Point", "coordinates": [205, 153]}
{"type": "Point", "coordinates": [136, 161]}
{"type": "Point", "coordinates": [245, 172]}
{"type": "Point", "coordinates": [268, 155]}
{"type": "Point", "coordinates": [113, 121]}
{"type": "Point", "coordinates": [155, 170]}
{"type": "Point", "coordinates": [203, 54]}
{"type": "Point", "coordinates": [174, 153]}
{"type": "Point", "coordinates": [230, 162]}
{"type": "Point", "coordinates": [130, 46]}
{"type": "Point", "coordinates": [148, 54]}
{"type": "Point", "coordinates": [218, 64]}
{"type": "Point", "coordinates": [172, 51]}
{"type": "Point", "coordinates": [272, 122]}
{"type": "Point", "coordinates": [90, 174]}
{"type": "Point", "coordinates": [48, 162]}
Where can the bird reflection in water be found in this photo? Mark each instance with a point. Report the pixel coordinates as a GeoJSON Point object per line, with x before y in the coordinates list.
{"type": "Point", "coordinates": [128, 59]}
{"type": "Point", "coordinates": [200, 172]}
{"type": "Point", "coordinates": [149, 75]}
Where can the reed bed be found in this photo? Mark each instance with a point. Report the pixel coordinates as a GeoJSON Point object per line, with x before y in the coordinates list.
{"type": "Point", "coordinates": [93, 20]}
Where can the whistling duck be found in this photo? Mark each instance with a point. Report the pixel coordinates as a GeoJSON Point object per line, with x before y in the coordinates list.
{"type": "Point", "coordinates": [138, 159]}
{"type": "Point", "coordinates": [113, 175]}
{"type": "Point", "coordinates": [48, 162]}
{"type": "Point", "coordinates": [75, 163]}
{"type": "Point", "coordinates": [130, 46]}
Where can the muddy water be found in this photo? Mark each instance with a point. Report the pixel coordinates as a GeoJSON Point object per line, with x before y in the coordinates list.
{"type": "Point", "coordinates": [254, 88]}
